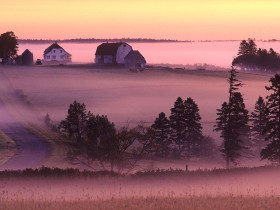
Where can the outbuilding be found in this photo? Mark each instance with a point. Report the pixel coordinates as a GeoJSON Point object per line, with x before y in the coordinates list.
{"type": "Point", "coordinates": [26, 58]}
{"type": "Point", "coordinates": [112, 53]}
{"type": "Point", "coordinates": [135, 60]}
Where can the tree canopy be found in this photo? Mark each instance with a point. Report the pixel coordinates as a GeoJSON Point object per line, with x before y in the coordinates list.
{"type": "Point", "coordinates": [232, 122]}
{"type": "Point", "coordinates": [95, 139]}
{"type": "Point", "coordinates": [249, 57]}
{"type": "Point", "coordinates": [161, 130]}
{"type": "Point", "coordinates": [272, 126]}
{"type": "Point", "coordinates": [259, 119]}
{"type": "Point", "coordinates": [8, 46]}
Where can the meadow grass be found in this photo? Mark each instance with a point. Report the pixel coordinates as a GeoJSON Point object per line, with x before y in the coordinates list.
{"type": "Point", "coordinates": [46, 188]}
{"type": "Point", "coordinates": [153, 203]}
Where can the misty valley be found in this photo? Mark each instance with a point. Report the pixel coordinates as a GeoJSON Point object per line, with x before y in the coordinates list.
{"type": "Point", "coordinates": [39, 98]}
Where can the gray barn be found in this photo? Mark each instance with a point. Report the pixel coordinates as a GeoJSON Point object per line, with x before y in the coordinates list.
{"type": "Point", "coordinates": [27, 57]}
{"type": "Point", "coordinates": [135, 60]}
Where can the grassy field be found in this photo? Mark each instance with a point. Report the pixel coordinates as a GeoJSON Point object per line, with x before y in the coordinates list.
{"type": "Point", "coordinates": [153, 203]}
{"type": "Point", "coordinates": [246, 188]}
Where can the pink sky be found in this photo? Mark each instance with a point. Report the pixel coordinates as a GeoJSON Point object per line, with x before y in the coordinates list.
{"type": "Point", "coordinates": [170, 19]}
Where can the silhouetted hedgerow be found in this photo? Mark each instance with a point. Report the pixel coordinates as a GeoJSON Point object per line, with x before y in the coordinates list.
{"type": "Point", "coordinates": [206, 172]}
{"type": "Point", "coordinates": [55, 172]}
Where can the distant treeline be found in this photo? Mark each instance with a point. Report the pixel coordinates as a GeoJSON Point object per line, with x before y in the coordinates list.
{"type": "Point", "coordinates": [252, 58]}
{"type": "Point", "coordinates": [93, 40]}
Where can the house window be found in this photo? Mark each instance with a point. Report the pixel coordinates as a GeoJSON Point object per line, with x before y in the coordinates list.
{"type": "Point", "coordinates": [54, 57]}
{"type": "Point", "coordinates": [60, 51]}
{"type": "Point", "coordinates": [48, 57]}
{"type": "Point", "coordinates": [53, 51]}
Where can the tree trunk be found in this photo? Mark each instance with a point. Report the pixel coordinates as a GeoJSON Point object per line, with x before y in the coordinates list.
{"type": "Point", "coordinates": [112, 165]}
{"type": "Point", "coordinates": [227, 163]}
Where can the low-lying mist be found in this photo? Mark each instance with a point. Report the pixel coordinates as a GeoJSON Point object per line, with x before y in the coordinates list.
{"type": "Point", "coordinates": [29, 93]}
{"type": "Point", "coordinates": [122, 95]}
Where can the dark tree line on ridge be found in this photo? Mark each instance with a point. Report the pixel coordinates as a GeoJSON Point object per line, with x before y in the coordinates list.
{"type": "Point", "coordinates": [249, 57]}
{"type": "Point", "coordinates": [94, 138]}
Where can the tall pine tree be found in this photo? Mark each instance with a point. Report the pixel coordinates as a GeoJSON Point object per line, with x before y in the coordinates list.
{"type": "Point", "coordinates": [272, 127]}
{"type": "Point", "coordinates": [232, 122]}
{"type": "Point", "coordinates": [161, 130]}
{"type": "Point", "coordinates": [75, 124]}
{"type": "Point", "coordinates": [193, 128]}
{"type": "Point", "coordinates": [178, 124]}
{"type": "Point", "coordinates": [259, 119]}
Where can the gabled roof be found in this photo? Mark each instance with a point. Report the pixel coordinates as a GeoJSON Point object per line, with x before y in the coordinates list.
{"type": "Point", "coordinates": [136, 56]}
{"type": "Point", "coordinates": [27, 52]}
{"type": "Point", "coordinates": [54, 46]}
{"type": "Point", "coordinates": [108, 48]}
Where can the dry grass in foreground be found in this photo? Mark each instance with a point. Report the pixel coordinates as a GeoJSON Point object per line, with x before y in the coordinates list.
{"type": "Point", "coordinates": [153, 203]}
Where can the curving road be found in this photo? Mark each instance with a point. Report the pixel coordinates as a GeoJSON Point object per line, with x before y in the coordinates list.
{"type": "Point", "coordinates": [32, 151]}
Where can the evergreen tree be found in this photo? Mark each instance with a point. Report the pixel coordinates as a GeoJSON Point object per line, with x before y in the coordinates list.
{"type": "Point", "coordinates": [75, 124]}
{"type": "Point", "coordinates": [232, 122]}
{"type": "Point", "coordinates": [272, 127]}
{"type": "Point", "coordinates": [243, 48]}
{"type": "Point", "coordinates": [178, 124]}
{"type": "Point", "coordinates": [259, 119]}
{"type": "Point", "coordinates": [234, 84]}
{"type": "Point", "coordinates": [252, 47]}
{"type": "Point", "coordinates": [193, 128]}
{"type": "Point", "coordinates": [102, 142]}
{"type": "Point", "coordinates": [250, 58]}
{"type": "Point", "coordinates": [240, 119]}
{"type": "Point", "coordinates": [247, 47]}
{"type": "Point", "coordinates": [161, 130]}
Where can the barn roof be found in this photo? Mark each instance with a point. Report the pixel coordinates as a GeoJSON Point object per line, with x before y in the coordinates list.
{"type": "Point", "coordinates": [54, 46]}
{"type": "Point", "coordinates": [108, 48]}
{"type": "Point", "coordinates": [136, 56]}
{"type": "Point", "coordinates": [27, 52]}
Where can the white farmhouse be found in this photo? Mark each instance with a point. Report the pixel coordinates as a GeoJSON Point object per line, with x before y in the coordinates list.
{"type": "Point", "coordinates": [112, 53]}
{"type": "Point", "coordinates": [55, 54]}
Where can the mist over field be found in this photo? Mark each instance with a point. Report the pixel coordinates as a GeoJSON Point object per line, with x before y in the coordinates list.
{"type": "Point", "coordinates": [113, 105]}
{"type": "Point", "coordinates": [122, 95]}
{"type": "Point", "coordinates": [126, 97]}
{"type": "Point", "coordinates": [29, 93]}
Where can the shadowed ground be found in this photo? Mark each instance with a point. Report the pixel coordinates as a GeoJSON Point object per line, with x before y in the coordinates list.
{"type": "Point", "coordinates": [31, 151]}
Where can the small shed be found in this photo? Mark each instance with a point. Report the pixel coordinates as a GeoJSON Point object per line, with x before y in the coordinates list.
{"type": "Point", "coordinates": [135, 60]}
{"type": "Point", "coordinates": [27, 57]}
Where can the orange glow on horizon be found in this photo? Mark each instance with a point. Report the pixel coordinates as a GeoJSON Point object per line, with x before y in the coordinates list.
{"type": "Point", "coordinates": [178, 19]}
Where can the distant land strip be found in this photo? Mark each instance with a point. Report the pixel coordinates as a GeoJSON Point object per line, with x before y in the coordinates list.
{"type": "Point", "coordinates": [93, 40]}
{"type": "Point", "coordinates": [135, 40]}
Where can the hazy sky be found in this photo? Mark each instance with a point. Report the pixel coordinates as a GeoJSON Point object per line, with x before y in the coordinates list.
{"type": "Point", "coordinates": [171, 19]}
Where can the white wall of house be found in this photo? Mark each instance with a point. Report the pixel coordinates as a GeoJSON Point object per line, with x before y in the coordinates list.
{"type": "Point", "coordinates": [123, 50]}
{"type": "Point", "coordinates": [57, 54]}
